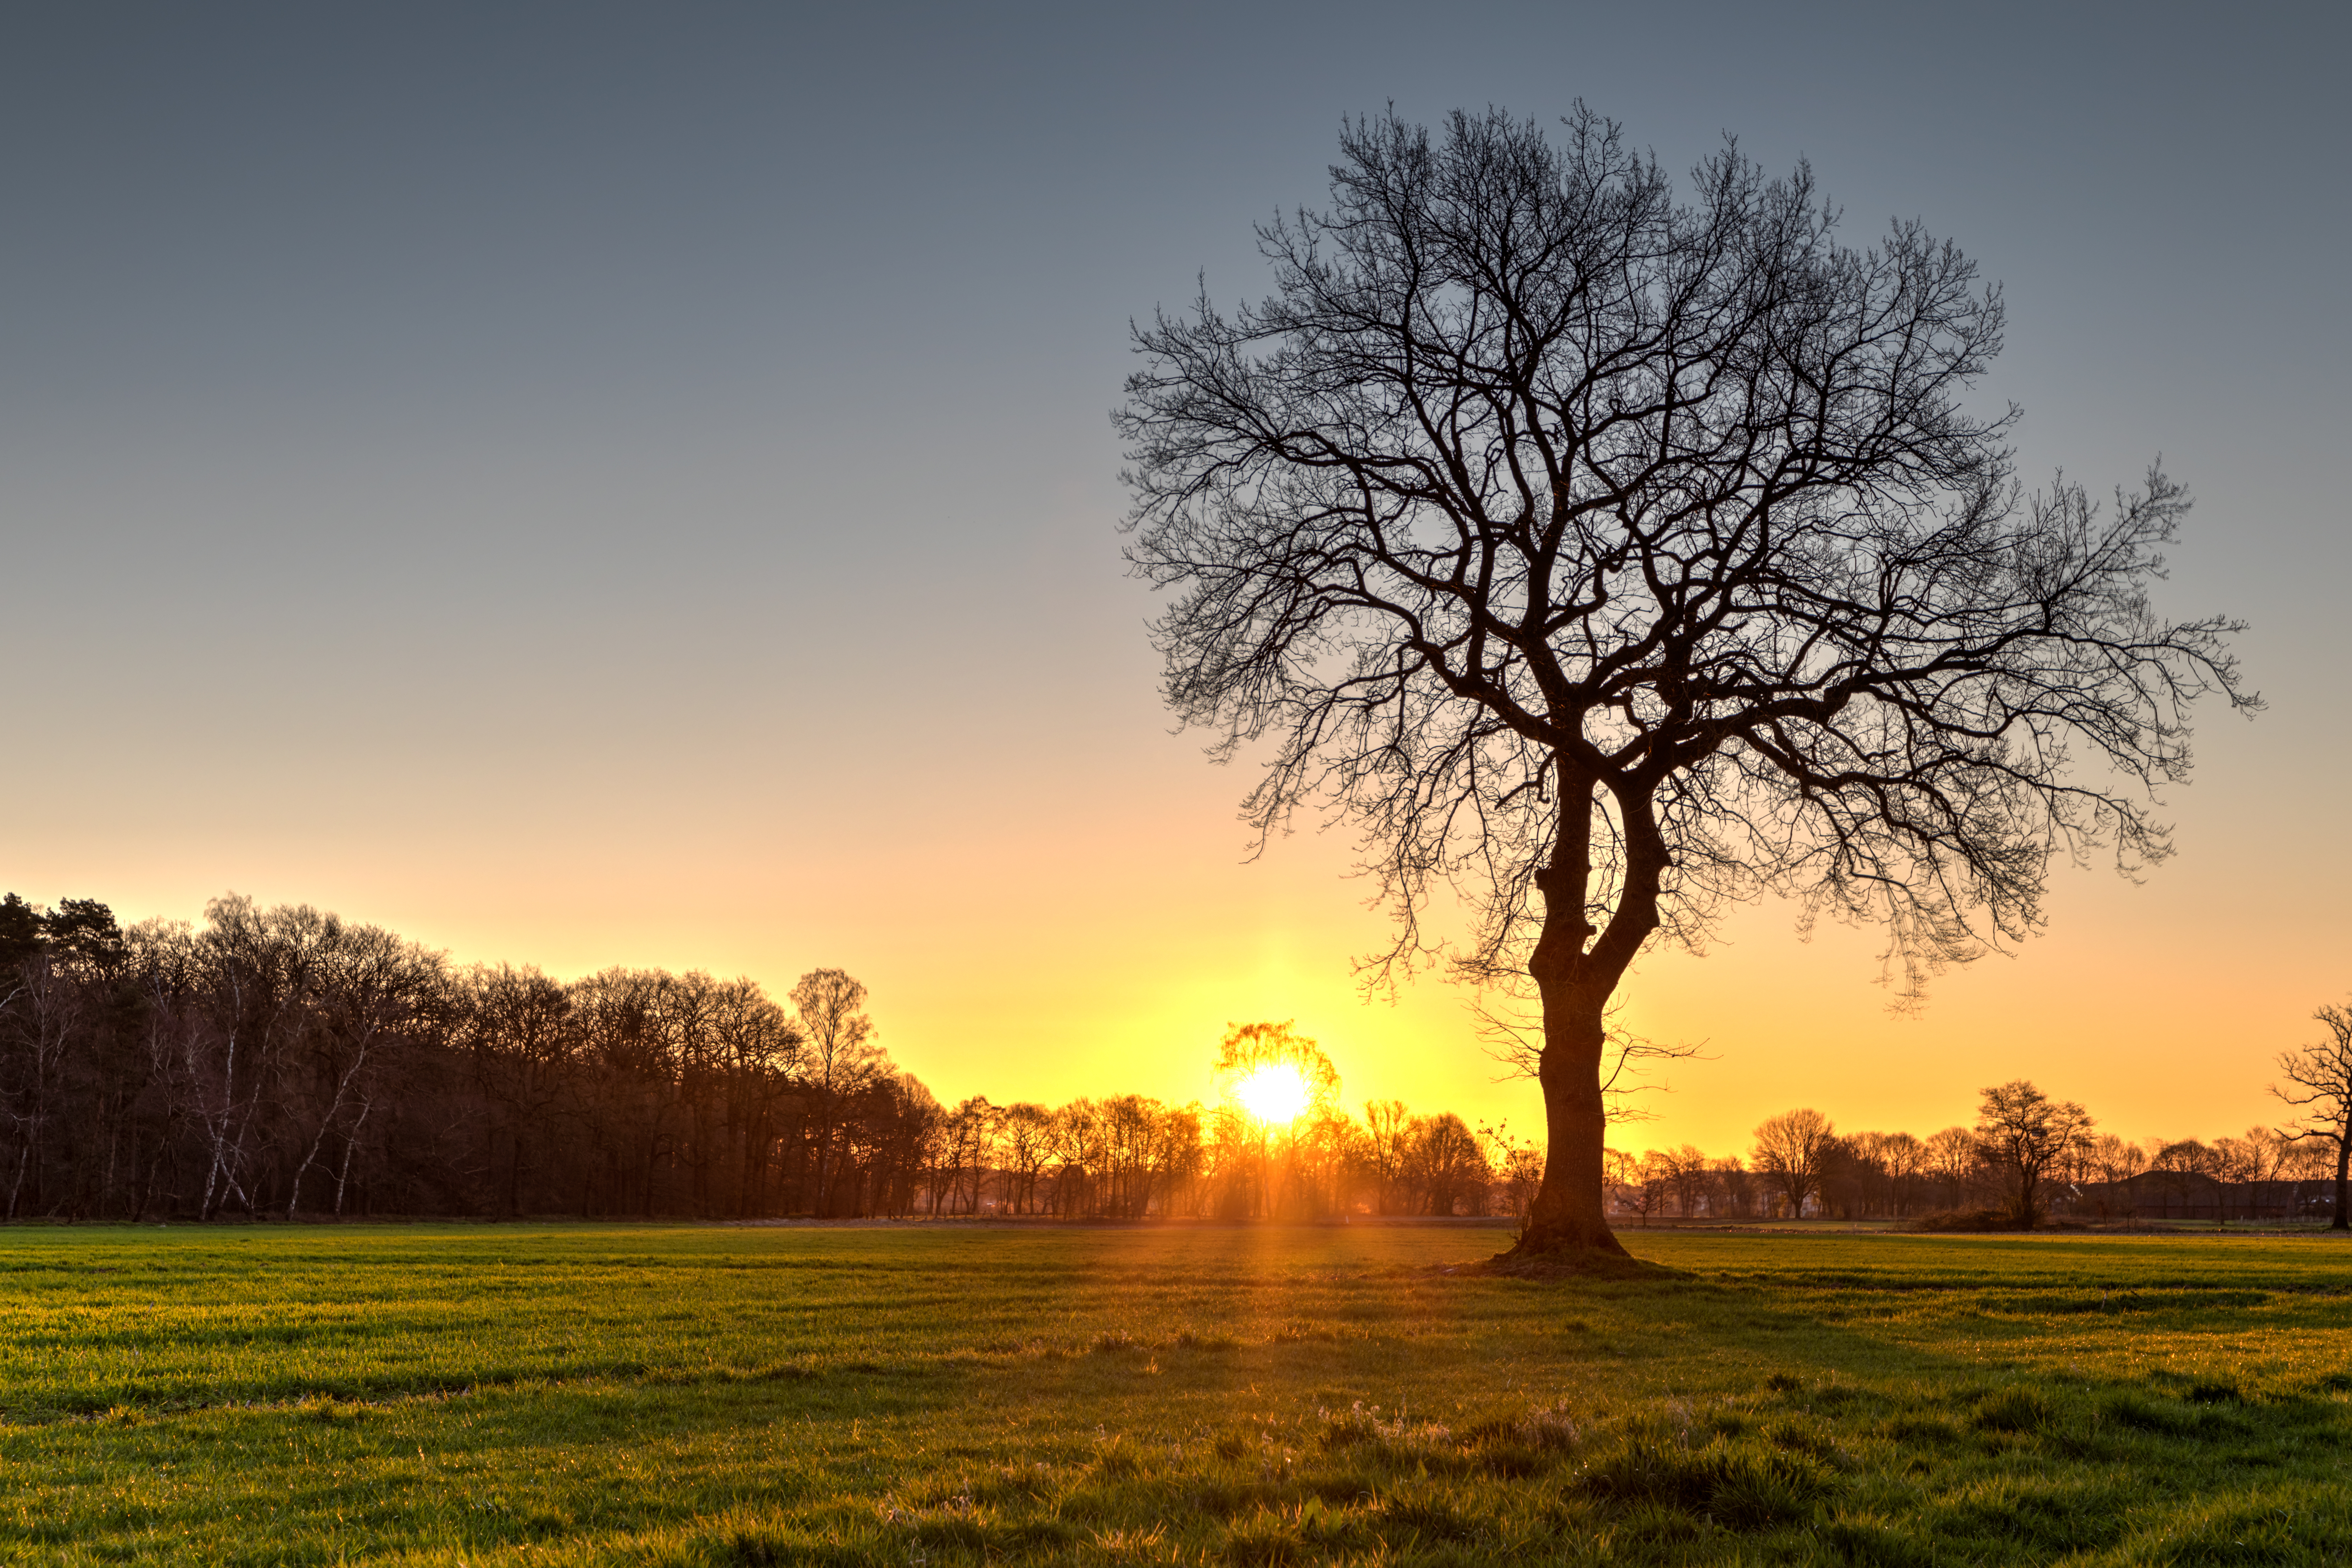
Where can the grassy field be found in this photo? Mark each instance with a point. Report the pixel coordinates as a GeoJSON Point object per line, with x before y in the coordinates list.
{"type": "Point", "coordinates": [921, 1395]}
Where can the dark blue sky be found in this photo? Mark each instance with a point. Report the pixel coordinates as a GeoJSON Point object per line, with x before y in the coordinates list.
{"type": "Point", "coordinates": [632, 484]}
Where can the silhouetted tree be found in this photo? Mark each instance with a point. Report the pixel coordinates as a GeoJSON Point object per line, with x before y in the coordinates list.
{"type": "Point", "coordinates": [21, 938]}
{"type": "Point", "coordinates": [844, 1060]}
{"type": "Point", "coordinates": [1734, 1185]}
{"type": "Point", "coordinates": [1793, 1151]}
{"type": "Point", "coordinates": [1388, 1145]}
{"type": "Point", "coordinates": [1951, 1159]}
{"type": "Point", "coordinates": [1636, 554]}
{"type": "Point", "coordinates": [2021, 1134]}
{"type": "Point", "coordinates": [1028, 1134]}
{"type": "Point", "coordinates": [2319, 1085]}
{"type": "Point", "coordinates": [1686, 1171]}
{"type": "Point", "coordinates": [1518, 1166]}
{"type": "Point", "coordinates": [1447, 1166]}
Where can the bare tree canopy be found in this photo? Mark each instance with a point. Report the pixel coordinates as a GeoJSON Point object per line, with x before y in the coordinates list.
{"type": "Point", "coordinates": [2023, 1133]}
{"type": "Point", "coordinates": [1581, 541]}
{"type": "Point", "coordinates": [2319, 1086]}
{"type": "Point", "coordinates": [1793, 1151]}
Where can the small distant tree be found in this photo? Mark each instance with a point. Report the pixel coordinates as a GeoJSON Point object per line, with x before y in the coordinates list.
{"type": "Point", "coordinates": [2233, 1167]}
{"type": "Point", "coordinates": [2264, 1154]}
{"type": "Point", "coordinates": [966, 1135]}
{"type": "Point", "coordinates": [1686, 1169]}
{"type": "Point", "coordinates": [1793, 1151]}
{"type": "Point", "coordinates": [1028, 1131]}
{"type": "Point", "coordinates": [1518, 1165]}
{"type": "Point", "coordinates": [1649, 1179]}
{"type": "Point", "coordinates": [1733, 1184]}
{"type": "Point", "coordinates": [2022, 1133]}
{"type": "Point", "coordinates": [1904, 1157]}
{"type": "Point", "coordinates": [2117, 1159]}
{"type": "Point", "coordinates": [2319, 1085]}
{"type": "Point", "coordinates": [2113, 1161]}
{"type": "Point", "coordinates": [1951, 1159]}
{"type": "Point", "coordinates": [2186, 1156]}
{"type": "Point", "coordinates": [844, 1059]}
{"type": "Point", "coordinates": [1617, 1170]}
{"type": "Point", "coordinates": [1449, 1166]}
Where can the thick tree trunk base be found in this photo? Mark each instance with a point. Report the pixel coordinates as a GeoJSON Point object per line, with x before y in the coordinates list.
{"type": "Point", "coordinates": [1571, 1257]}
{"type": "Point", "coordinates": [1569, 1251]}
{"type": "Point", "coordinates": [1566, 1237]}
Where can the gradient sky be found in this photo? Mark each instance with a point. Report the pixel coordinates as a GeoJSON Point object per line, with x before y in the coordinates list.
{"type": "Point", "coordinates": [592, 485]}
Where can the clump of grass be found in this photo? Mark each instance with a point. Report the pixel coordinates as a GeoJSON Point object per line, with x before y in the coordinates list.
{"type": "Point", "coordinates": [1733, 1485]}
{"type": "Point", "coordinates": [1915, 1431]}
{"type": "Point", "coordinates": [1397, 1441]}
{"type": "Point", "coordinates": [1135, 1541]}
{"type": "Point", "coordinates": [1426, 1519]}
{"type": "Point", "coordinates": [1521, 1446]}
{"type": "Point", "coordinates": [1114, 1458]}
{"type": "Point", "coordinates": [1300, 1333]}
{"type": "Point", "coordinates": [1308, 1530]}
{"type": "Point", "coordinates": [1879, 1543]}
{"type": "Point", "coordinates": [2017, 1408]}
{"type": "Point", "coordinates": [1804, 1437]}
{"type": "Point", "coordinates": [2142, 1413]}
{"type": "Point", "coordinates": [1545, 1428]}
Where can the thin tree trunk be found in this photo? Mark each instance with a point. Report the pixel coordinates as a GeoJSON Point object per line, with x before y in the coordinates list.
{"type": "Point", "coordinates": [351, 1141]}
{"type": "Point", "coordinates": [2342, 1218]}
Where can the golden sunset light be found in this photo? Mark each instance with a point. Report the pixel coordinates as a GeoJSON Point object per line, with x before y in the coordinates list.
{"type": "Point", "coordinates": [1093, 786]}
{"type": "Point", "coordinates": [1274, 1094]}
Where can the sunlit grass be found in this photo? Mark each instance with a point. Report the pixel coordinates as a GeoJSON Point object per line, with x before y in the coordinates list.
{"type": "Point", "coordinates": [932, 1394]}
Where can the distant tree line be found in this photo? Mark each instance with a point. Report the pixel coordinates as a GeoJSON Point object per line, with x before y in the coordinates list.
{"type": "Point", "coordinates": [283, 1062]}
{"type": "Point", "coordinates": [2028, 1157]}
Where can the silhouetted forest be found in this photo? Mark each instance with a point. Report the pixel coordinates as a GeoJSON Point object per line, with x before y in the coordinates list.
{"type": "Point", "coordinates": [282, 1062]}
{"type": "Point", "coordinates": [285, 1062]}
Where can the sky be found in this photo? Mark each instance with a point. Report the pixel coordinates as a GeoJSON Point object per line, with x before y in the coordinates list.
{"type": "Point", "coordinates": [590, 484]}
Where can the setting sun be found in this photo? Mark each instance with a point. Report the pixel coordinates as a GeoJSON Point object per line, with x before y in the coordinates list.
{"type": "Point", "coordinates": [1274, 1092]}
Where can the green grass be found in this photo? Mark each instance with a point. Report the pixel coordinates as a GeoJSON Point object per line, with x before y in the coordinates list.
{"type": "Point", "coordinates": [923, 1395]}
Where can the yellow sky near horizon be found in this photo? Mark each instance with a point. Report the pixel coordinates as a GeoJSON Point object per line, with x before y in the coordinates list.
{"type": "Point", "coordinates": [1101, 943]}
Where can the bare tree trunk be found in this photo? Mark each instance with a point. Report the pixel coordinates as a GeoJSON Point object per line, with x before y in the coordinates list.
{"type": "Point", "coordinates": [2342, 1219]}
{"type": "Point", "coordinates": [1571, 1212]}
{"type": "Point", "coordinates": [326, 1122]}
{"type": "Point", "coordinates": [351, 1141]}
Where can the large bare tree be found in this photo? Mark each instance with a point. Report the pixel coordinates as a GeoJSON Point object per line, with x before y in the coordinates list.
{"type": "Point", "coordinates": [2319, 1086]}
{"type": "Point", "coordinates": [1607, 555]}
